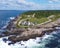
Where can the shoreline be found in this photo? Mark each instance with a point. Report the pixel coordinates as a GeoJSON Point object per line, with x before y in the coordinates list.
{"type": "Point", "coordinates": [25, 34]}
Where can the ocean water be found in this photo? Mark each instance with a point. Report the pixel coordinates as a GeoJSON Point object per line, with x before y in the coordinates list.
{"type": "Point", "coordinates": [47, 41]}
{"type": "Point", "coordinates": [6, 15]}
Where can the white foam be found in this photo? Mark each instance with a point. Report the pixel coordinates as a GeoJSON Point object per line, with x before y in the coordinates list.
{"type": "Point", "coordinates": [57, 27]}
{"type": "Point", "coordinates": [3, 44]}
{"type": "Point", "coordinates": [45, 36]}
{"type": "Point", "coordinates": [12, 18]}
{"type": "Point", "coordinates": [29, 43]}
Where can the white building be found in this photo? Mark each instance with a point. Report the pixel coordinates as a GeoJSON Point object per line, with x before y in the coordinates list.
{"type": "Point", "coordinates": [27, 23]}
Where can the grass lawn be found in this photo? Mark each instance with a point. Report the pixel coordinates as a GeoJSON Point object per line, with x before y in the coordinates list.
{"type": "Point", "coordinates": [35, 20]}
{"type": "Point", "coordinates": [38, 21]}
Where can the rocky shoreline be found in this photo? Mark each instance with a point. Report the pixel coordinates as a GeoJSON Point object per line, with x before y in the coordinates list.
{"type": "Point", "coordinates": [19, 34]}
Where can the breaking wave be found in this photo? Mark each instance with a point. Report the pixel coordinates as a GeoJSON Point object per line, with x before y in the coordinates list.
{"type": "Point", "coordinates": [47, 41]}
{"type": "Point", "coordinates": [5, 23]}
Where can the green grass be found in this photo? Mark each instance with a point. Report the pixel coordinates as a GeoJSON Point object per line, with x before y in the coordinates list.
{"type": "Point", "coordinates": [38, 21]}
{"type": "Point", "coordinates": [40, 17]}
{"type": "Point", "coordinates": [35, 20]}
{"type": "Point", "coordinates": [42, 20]}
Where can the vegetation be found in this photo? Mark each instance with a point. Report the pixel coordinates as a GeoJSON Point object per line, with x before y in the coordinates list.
{"type": "Point", "coordinates": [39, 17]}
{"type": "Point", "coordinates": [42, 13]}
{"type": "Point", "coordinates": [37, 20]}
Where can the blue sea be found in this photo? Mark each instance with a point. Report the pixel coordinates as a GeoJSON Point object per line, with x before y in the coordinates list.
{"type": "Point", "coordinates": [47, 41]}
{"type": "Point", "coordinates": [6, 15]}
